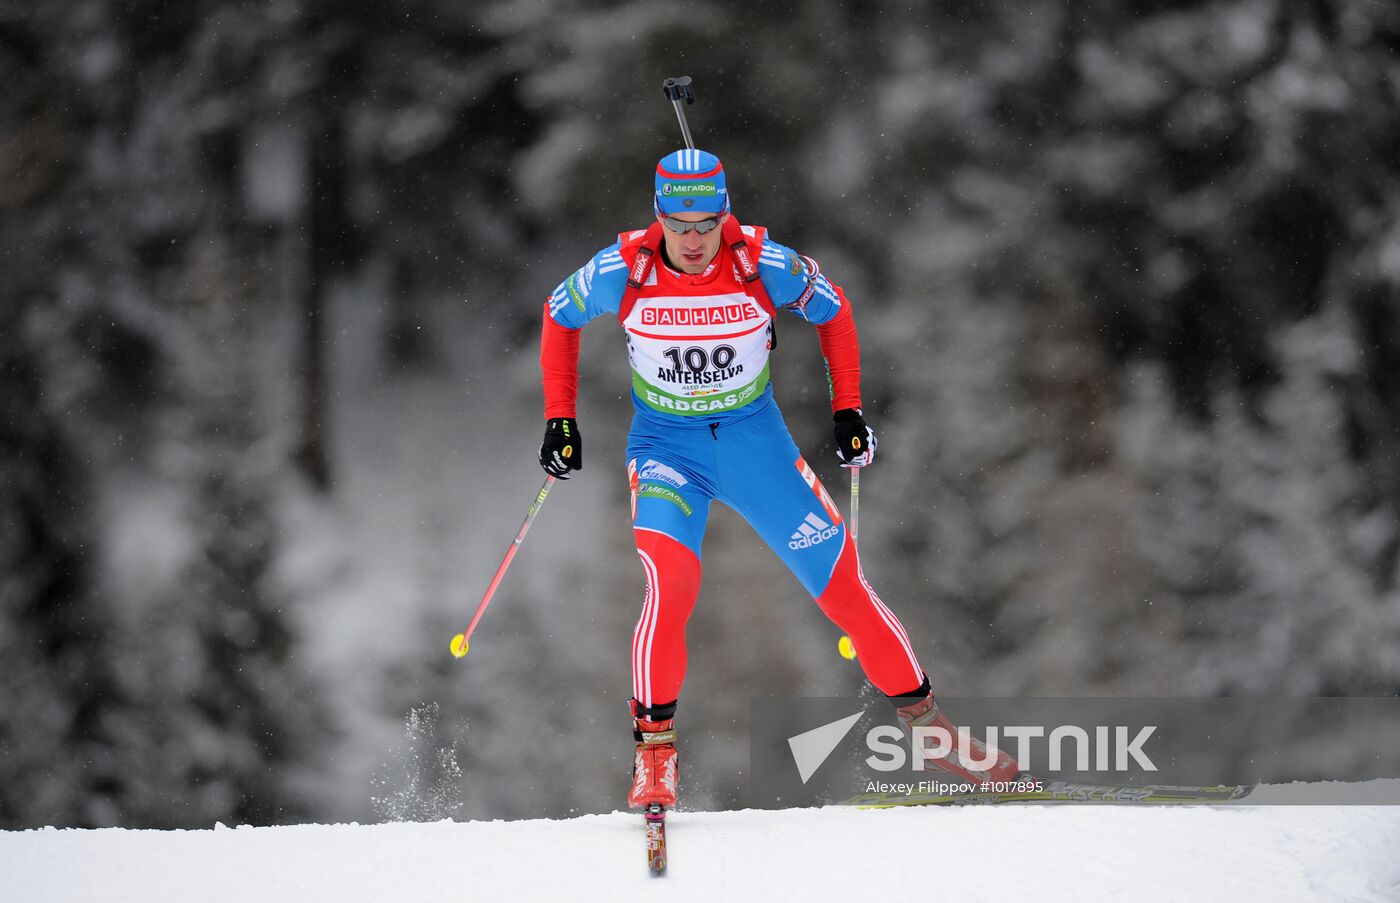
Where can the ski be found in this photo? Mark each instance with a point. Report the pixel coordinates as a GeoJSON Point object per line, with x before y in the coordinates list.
{"type": "Point", "coordinates": [1059, 792]}
{"type": "Point", "coordinates": [655, 817]}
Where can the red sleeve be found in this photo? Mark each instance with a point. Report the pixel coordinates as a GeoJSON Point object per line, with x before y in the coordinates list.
{"type": "Point", "coordinates": [559, 368]}
{"type": "Point", "coordinates": [841, 349]}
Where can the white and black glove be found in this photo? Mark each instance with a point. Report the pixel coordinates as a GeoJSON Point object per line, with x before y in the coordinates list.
{"type": "Point", "coordinates": [562, 448]}
{"type": "Point", "coordinates": [855, 442]}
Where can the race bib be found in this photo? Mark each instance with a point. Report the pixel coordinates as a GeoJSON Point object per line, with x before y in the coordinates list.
{"type": "Point", "coordinates": [697, 355]}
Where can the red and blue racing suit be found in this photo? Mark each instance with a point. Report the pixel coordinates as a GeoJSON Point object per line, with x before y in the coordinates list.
{"type": "Point", "coordinates": [706, 427]}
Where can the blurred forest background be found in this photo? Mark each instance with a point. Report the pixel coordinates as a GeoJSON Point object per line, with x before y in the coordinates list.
{"type": "Point", "coordinates": [1128, 284]}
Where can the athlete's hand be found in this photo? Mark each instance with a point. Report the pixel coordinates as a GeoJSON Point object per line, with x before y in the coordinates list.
{"type": "Point", "coordinates": [562, 448]}
{"type": "Point", "coordinates": [855, 442]}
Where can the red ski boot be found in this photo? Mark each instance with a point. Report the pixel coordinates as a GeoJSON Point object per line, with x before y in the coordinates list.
{"type": "Point", "coordinates": [974, 762]}
{"type": "Point", "coordinates": [655, 767]}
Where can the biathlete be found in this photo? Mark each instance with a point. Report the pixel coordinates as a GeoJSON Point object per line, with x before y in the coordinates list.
{"type": "Point", "coordinates": [697, 295]}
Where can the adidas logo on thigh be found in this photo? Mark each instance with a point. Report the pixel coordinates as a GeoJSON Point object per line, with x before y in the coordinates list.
{"type": "Point", "coordinates": [811, 531]}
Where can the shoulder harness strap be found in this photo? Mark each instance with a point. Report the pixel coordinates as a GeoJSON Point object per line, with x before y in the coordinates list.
{"type": "Point", "coordinates": [746, 254]}
{"type": "Point", "coordinates": [643, 258]}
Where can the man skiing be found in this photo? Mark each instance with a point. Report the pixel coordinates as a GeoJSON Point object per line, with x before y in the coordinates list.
{"type": "Point", "coordinates": [697, 294]}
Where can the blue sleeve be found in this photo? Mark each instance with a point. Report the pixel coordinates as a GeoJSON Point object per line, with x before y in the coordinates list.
{"type": "Point", "coordinates": [796, 283]}
{"type": "Point", "coordinates": [595, 289]}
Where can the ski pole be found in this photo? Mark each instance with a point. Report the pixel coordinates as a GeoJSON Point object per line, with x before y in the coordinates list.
{"type": "Point", "coordinates": [459, 642]}
{"type": "Point", "coordinates": [844, 645]}
{"type": "Point", "coordinates": [855, 505]}
{"type": "Point", "coordinates": [675, 89]}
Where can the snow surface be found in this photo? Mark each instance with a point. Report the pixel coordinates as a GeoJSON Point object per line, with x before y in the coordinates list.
{"type": "Point", "coordinates": [1043, 853]}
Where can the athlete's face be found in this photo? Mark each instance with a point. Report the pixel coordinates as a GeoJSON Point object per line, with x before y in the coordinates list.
{"type": "Point", "coordinates": [692, 252]}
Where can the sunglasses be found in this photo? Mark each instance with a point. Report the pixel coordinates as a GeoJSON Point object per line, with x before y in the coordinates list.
{"type": "Point", "coordinates": [680, 227]}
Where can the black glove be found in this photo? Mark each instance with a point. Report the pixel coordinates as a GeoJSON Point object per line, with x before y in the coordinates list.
{"type": "Point", "coordinates": [855, 442]}
{"type": "Point", "coordinates": [562, 448]}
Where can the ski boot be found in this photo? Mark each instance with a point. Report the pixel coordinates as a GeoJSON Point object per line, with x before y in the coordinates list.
{"type": "Point", "coordinates": [655, 766]}
{"type": "Point", "coordinates": [966, 763]}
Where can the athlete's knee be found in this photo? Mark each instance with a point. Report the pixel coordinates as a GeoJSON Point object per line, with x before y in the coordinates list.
{"type": "Point", "coordinates": [672, 570]}
{"type": "Point", "coordinates": [845, 573]}
{"type": "Point", "coordinates": [846, 595]}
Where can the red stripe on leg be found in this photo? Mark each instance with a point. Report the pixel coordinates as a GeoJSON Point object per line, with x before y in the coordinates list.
{"type": "Point", "coordinates": [658, 642]}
